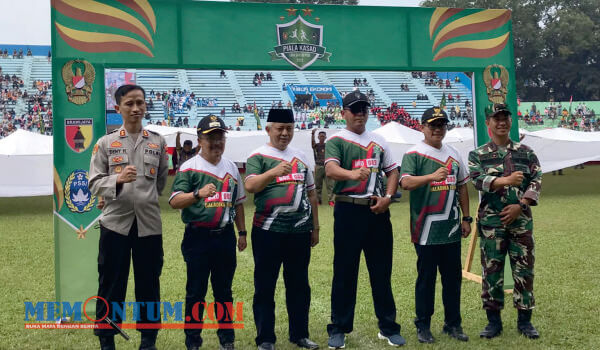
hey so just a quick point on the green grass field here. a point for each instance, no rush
(566, 285)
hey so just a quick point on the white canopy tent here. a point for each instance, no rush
(23, 151)
(25, 165)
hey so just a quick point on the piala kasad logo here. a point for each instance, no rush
(300, 42)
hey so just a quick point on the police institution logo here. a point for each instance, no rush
(78, 197)
(78, 76)
(79, 133)
(300, 42)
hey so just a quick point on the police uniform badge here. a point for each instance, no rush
(78, 84)
(78, 196)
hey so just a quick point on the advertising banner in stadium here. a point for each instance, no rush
(321, 93)
(222, 35)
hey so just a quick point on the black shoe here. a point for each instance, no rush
(227, 346)
(494, 327)
(456, 333)
(306, 343)
(524, 325)
(266, 346)
(425, 336)
(107, 342)
(192, 347)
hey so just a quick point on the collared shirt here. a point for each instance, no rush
(283, 205)
(353, 151)
(319, 151)
(434, 212)
(489, 162)
(216, 211)
(137, 199)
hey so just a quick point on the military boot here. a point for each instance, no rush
(494, 326)
(524, 324)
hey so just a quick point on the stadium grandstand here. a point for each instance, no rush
(179, 97)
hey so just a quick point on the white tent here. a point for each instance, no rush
(26, 157)
(561, 148)
(25, 165)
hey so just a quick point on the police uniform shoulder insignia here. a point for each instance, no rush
(113, 131)
(145, 133)
(116, 144)
(122, 133)
(95, 150)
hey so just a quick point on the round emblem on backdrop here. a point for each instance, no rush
(78, 196)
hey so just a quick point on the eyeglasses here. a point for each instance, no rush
(358, 108)
(437, 126)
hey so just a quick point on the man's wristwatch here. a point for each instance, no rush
(196, 194)
(242, 233)
(524, 207)
(467, 219)
(389, 196)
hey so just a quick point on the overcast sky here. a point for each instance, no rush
(27, 22)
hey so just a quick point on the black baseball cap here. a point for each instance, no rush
(210, 123)
(433, 114)
(355, 97)
(499, 108)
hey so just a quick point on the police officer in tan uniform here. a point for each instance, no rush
(129, 170)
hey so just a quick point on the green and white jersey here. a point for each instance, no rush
(218, 210)
(283, 205)
(434, 212)
(353, 151)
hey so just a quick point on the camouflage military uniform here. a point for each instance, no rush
(487, 163)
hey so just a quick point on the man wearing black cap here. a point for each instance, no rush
(285, 227)
(509, 178)
(357, 159)
(436, 176)
(209, 190)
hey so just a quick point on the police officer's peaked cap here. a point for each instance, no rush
(280, 115)
(355, 97)
(211, 123)
(434, 113)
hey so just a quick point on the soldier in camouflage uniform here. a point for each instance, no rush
(509, 176)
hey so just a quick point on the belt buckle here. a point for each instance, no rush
(372, 202)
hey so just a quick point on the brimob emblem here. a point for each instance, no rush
(78, 85)
(78, 196)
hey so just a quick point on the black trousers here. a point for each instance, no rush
(446, 257)
(208, 255)
(114, 254)
(271, 250)
(357, 229)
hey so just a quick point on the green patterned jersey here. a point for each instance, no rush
(283, 205)
(489, 162)
(353, 151)
(218, 210)
(434, 211)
